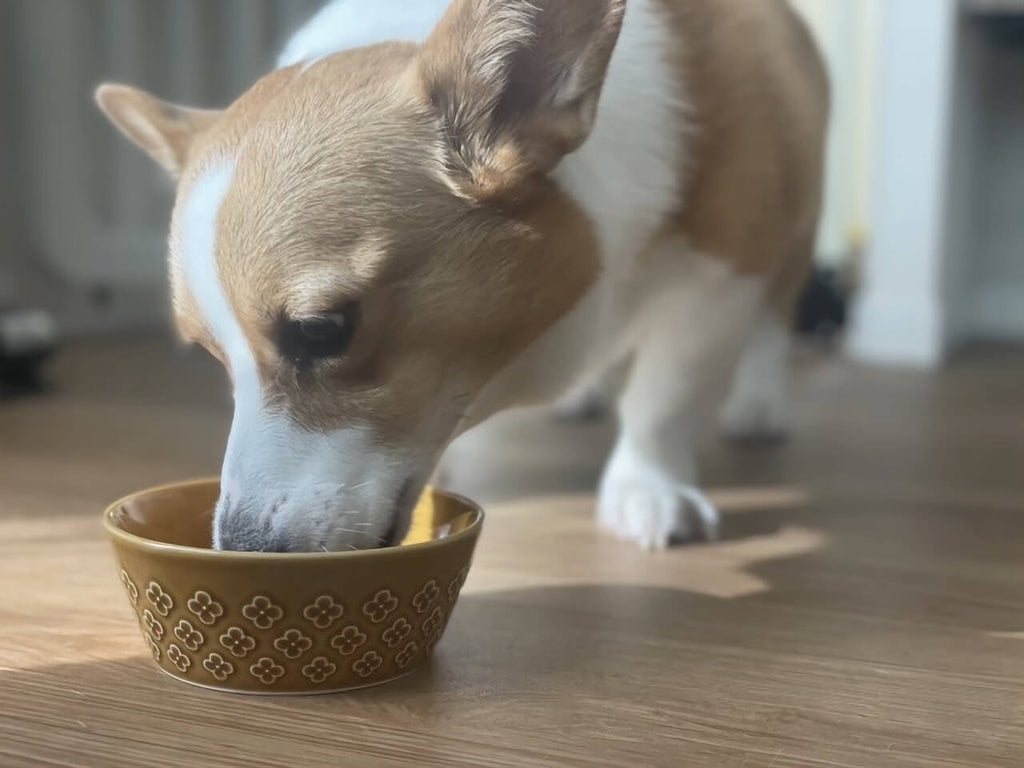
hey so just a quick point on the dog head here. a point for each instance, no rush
(365, 242)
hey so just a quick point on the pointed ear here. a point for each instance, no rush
(516, 85)
(165, 131)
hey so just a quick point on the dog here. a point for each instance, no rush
(433, 212)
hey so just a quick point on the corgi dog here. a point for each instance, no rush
(434, 211)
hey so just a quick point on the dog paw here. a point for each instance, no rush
(761, 419)
(642, 504)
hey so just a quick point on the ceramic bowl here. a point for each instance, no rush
(271, 623)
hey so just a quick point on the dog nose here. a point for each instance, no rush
(235, 541)
(237, 529)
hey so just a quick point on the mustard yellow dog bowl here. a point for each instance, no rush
(277, 623)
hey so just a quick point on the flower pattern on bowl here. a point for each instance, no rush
(293, 643)
(319, 669)
(368, 663)
(190, 637)
(456, 583)
(434, 629)
(237, 642)
(153, 647)
(153, 625)
(160, 600)
(433, 622)
(266, 670)
(262, 612)
(422, 599)
(406, 655)
(432, 641)
(129, 586)
(205, 608)
(348, 640)
(396, 633)
(218, 666)
(380, 606)
(178, 658)
(323, 612)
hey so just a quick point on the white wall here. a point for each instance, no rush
(946, 260)
(900, 318)
(847, 33)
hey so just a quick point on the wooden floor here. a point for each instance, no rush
(864, 608)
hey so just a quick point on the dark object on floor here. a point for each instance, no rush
(28, 337)
(823, 308)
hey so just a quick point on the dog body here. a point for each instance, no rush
(388, 242)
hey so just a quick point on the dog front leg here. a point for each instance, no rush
(649, 492)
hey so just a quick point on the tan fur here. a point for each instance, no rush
(757, 104)
(517, 89)
(166, 131)
(404, 178)
(444, 283)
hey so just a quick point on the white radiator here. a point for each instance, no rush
(97, 208)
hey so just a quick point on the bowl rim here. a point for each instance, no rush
(151, 546)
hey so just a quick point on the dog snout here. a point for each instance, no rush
(238, 527)
(298, 523)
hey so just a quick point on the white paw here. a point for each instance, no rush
(761, 418)
(640, 503)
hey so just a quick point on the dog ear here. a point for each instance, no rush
(165, 131)
(516, 85)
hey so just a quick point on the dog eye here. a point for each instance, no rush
(307, 339)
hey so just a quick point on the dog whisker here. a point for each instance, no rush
(380, 539)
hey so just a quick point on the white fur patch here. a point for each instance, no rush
(196, 236)
(758, 406)
(640, 502)
(626, 176)
(345, 24)
(281, 484)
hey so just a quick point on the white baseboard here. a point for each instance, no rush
(898, 333)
